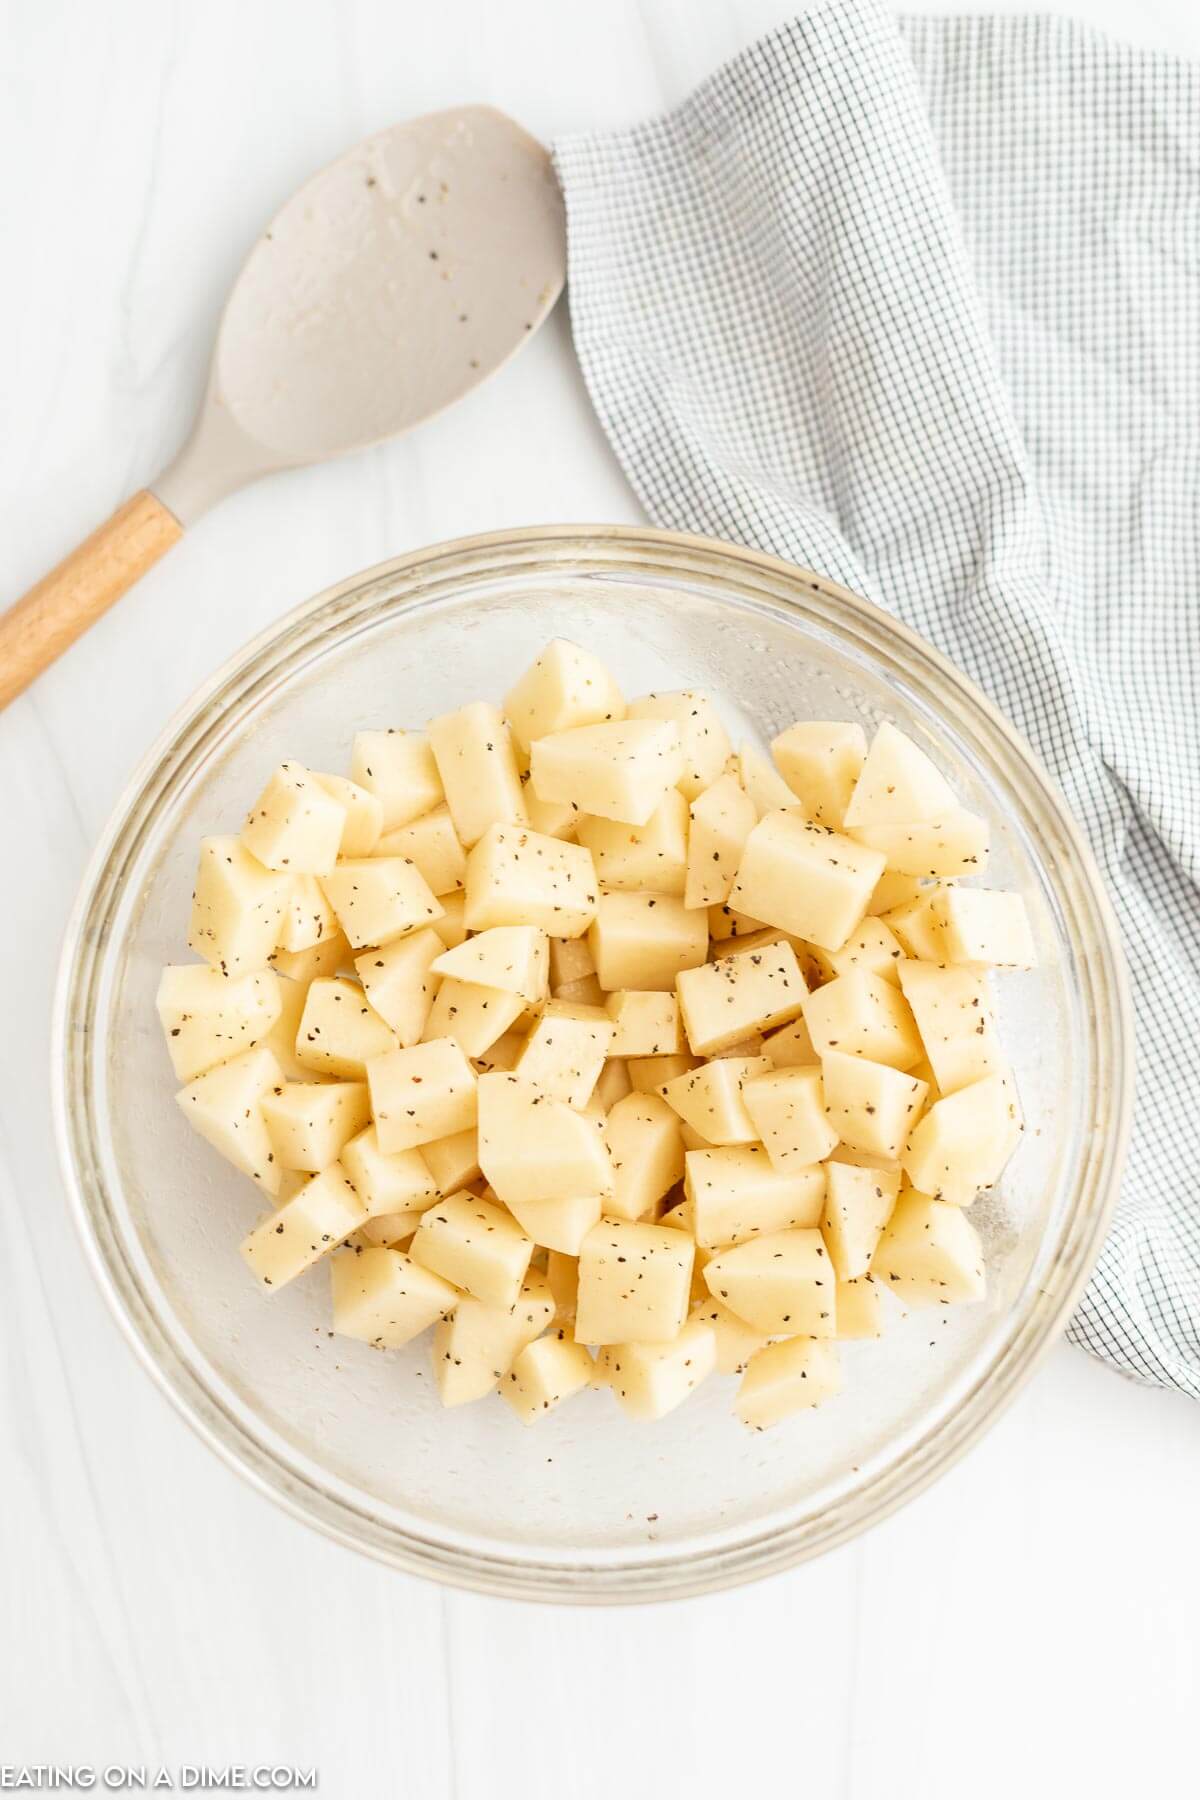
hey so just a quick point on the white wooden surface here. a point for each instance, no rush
(1030, 1625)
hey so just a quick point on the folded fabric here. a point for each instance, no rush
(917, 304)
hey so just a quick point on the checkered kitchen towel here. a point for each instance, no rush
(918, 304)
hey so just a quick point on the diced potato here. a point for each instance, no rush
(515, 958)
(281, 1039)
(790, 1047)
(722, 818)
(915, 927)
(565, 1052)
(734, 1341)
(388, 1184)
(735, 1194)
(453, 1162)
(237, 907)
(224, 1105)
(476, 759)
(563, 688)
(783, 1378)
(709, 1099)
(858, 1204)
(899, 785)
(869, 1105)
(650, 1074)
(953, 1010)
(339, 1030)
(378, 898)
(559, 1225)
(892, 890)
(295, 1236)
(546, 1372)
(873, 949)
(476, 1347)
(979, 925)
(963, 1142)
(385, 1298)
(518, 877)
(787, 1109)
(475, 1244)
(821, 761)
(308, 918)
(642, 1134)
(651, 1380)
(644, 1024)
(325, 958)
(781, 1283)
(706, 745)
(362, 823)
(752, 990)
(724, 925)
(296, 824)
(930, 1253)
(398, 768)
(634, 1283)
(385, 1231)
(570, 961)
(310, 1122)
(810, 882)
(473, 1016)
(562, 1273)
(617, 771)
(399, 983)
(631, 858)
(451, 927)
(421, 1094)
(208, 1018)
(644, 940)
(430, 842)
(768, 790)
(859, 1309)
(534, 1148)
(863, 1016)
(954, 845)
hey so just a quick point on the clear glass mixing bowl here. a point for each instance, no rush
(588, 1505)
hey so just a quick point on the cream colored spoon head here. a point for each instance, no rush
(395, 281)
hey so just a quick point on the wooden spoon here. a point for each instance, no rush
(390, 285)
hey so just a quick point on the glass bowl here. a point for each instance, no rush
(587, 1505)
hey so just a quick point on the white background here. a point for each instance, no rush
(1030, 1625)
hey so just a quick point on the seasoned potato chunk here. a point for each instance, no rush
(709, 1099)
(821, 761)
(963, 1142)
(954, 1015)
(705, 742)
(388, 1184)
(651, 1380)
(859, 1310)
(208, 1018)
(420, 1094)
(734, 1341)
(385, 1298)
(752, 990)
(869, 1105)
(225, 1106)
(474, 1349)
(397, 767)
(559, 1225)
(617, 771)
(475, 1017)
(430, 842)
(295, 824)
(237, 907)
(899, 785)
(644, 1023)
(378, 898)
(930, 1253)
(781, 1283)
(515, 958)
(310, 1122)
(863, 1016)
(787, 1109)
(340, 1031)
(634, 1283)
(980, 926)
(546, 1372)
(565, 1052)
(519, 877)
(453, 1162)
(644, 940)
(477, 763)
(954, 845)
(534, 1148)
(399, 982)
(476, 1245)
(721, 819)
(299, 1233)
(871, 949)
(765, 786)
(807, 880)
(736, 1194)
(362, 814)
(858, 1204)
(646, 1151)
(563, 688)
(630, 858)
(783, 1378)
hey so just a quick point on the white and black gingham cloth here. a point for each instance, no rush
(917, 304)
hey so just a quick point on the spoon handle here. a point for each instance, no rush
(72, 597)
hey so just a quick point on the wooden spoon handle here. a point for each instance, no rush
(64, 603)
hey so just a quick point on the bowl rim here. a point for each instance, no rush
(682, 1573)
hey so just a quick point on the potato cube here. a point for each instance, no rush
(399, 982)
(476, 759)
(559, 1225)
(706, 745)
(871, 1106)
(237, 907)
(725, 925)
(721, 819)
(709, 1099)
(296, 825)
(787, 1109)
(430, 842)
(765, 786)
(565, 1052)
(644, 1024)
(633, 858)
(311, 1121)
(298, 1234)
(546, 1372)
(385, 1298)
(281, 1039)
(378, 898)
(562, 1272)
(420, 1094)
(208, 1018)
(784, 1378)
(963, 1142)
(225, 1106)
(475, 1244)
(476, 1347)
(452, 926)
(388, 1184)
(616, 771)
(734, 1341)
(810, 882)
(859, 1310)
(981, 926)
(858, 1204)
(453, 1162)
(518, 877)
(534, 1148)
(634, 1283)
(872, 949)
(644, 940)
(821, 761)
(515, 958)
(863, 1016)
(930, 1253)
(953, 1011)
(308, 918)
(302, 966)
(915, 927)
(735, 1194)
(473, 1016)
(899, 785)
(781, 1283)
(399, 769)
(650, 1074)
(651, 1380)
(892, 891)
(340, 1031)
(790, 1047)
(752, 990)
(362, 823)
(956, 844)
(564, 687)
(642, 1134)
(385, 1231)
